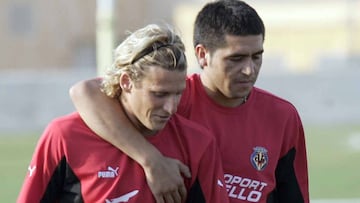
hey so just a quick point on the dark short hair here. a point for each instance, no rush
(225, 17)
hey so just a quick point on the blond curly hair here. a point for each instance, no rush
(153, 45)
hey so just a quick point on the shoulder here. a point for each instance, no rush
(66, 125)
(269, 100)
(66, 121)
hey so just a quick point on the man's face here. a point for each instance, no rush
(230, 72)
(154, 99)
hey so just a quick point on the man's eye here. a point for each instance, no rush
(238, 58)
(159, 94)
(257, 56)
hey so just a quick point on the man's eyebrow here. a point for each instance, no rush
(259, 52)
(237, 54)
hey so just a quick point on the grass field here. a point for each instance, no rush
(15, 154)
(334, 161)
(333, 153)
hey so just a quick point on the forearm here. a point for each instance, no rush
(106, 118)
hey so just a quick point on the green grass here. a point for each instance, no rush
(15, 155)
(333, 164)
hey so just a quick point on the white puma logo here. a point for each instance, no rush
(31, 170)
(113, 170)
(123, 198)
(109, 173)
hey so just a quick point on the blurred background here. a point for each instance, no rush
(312, 58)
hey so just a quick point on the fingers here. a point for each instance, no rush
(159, 199)
(184, 170)
(173, 197)
(166, 180)
(182, 193)
(168, 198)
(177, 195)
(181, 186)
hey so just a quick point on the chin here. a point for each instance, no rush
(157, 127)
(241, 93)
(238, 94)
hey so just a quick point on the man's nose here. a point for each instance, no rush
(171, 104)
(248, 68)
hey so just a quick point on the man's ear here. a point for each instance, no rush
(125, 82)
(201, 55)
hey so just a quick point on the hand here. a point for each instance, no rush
(164, 178)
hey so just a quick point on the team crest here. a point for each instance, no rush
(259, 158)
